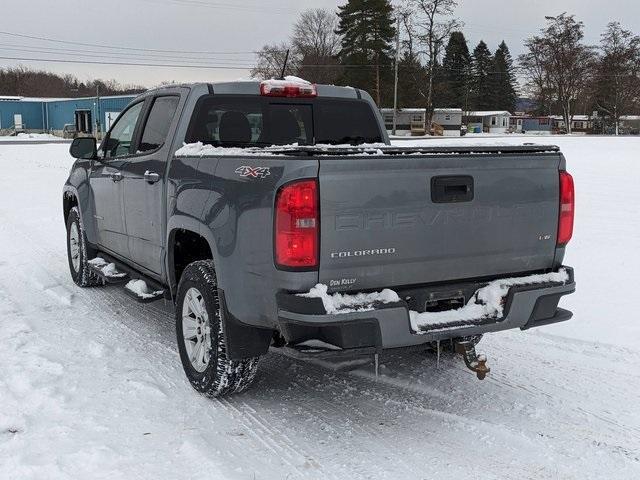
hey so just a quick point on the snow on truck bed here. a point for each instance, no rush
(91, 385)
(401, 148)
(199, 149)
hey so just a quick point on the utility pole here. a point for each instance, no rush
(97, 111)
(395, 83)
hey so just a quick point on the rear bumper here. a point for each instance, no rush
(526, 306)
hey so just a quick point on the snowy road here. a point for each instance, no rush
(91, 385)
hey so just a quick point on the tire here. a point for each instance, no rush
(78, 252)
(203, 351)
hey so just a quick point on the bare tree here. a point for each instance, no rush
(617, 85)
(270, 60)
(313, 47)
(431, 26)
(533, 68)
(316, 44)
(412, 72)
(566, 62)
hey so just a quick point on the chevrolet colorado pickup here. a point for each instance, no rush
(277, 214)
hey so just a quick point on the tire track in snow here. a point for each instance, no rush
(117, 300)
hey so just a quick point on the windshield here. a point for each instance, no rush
(250, 121)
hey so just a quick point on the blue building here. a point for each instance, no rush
(85, 115)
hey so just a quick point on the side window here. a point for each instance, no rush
(157, 126)
(118, 143)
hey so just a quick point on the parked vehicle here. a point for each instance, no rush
(69, 131)
(278, 214)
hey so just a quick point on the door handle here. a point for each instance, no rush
(151, 177)
(116, 176)
(452, 189)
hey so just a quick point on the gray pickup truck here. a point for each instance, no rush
(277, 214)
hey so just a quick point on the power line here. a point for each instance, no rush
(89, 62)
(119, 56)
(43, 49)
(148, 64)
(221, 5)
(97, 45)
(206, 66)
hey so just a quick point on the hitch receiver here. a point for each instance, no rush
(474, 362)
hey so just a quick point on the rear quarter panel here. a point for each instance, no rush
(234, 213)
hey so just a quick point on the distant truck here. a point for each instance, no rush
(277, 214)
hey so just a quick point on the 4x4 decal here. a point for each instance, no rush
(253, 172)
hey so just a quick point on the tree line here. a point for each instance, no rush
(356, 47)
(561, 74)
(25, 82)
(566, 76)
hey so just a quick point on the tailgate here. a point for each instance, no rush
(389, 220)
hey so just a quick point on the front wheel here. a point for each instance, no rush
(201, 340)
(78, 252)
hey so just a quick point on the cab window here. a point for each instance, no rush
(119, 143)
(158, 123)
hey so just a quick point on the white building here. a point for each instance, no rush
(487, 121)
(410, 121)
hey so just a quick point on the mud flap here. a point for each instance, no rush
(242, 341)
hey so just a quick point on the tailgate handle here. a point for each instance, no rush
(452, 189)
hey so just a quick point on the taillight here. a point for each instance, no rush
(297, 225)
(286, 88)
(567, 207)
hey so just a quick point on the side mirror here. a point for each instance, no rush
(84, 148)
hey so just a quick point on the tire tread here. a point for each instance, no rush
(231, 376)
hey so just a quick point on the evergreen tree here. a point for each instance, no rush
(441, 94)
(367, 30)
(481, 81)
(411, 85)
(456, 69)
(503, 80)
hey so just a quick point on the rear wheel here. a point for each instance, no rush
(78, 252)
(201, 340)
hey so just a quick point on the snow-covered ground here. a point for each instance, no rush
(91, 385)
(32, 137)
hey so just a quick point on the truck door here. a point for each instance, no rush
(106, 182)
(144, 184)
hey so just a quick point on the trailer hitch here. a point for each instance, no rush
(474, 362)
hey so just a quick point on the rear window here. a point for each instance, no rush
(245, 121)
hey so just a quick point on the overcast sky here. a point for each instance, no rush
(188, 26)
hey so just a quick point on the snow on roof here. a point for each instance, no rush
(9, 98)
(575, 117)
(630, 117)
(486, 113)
(531, 117)
(421, 110)
(447, 110)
